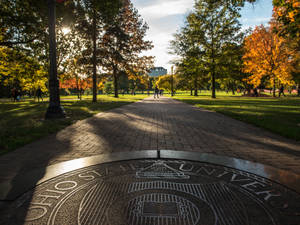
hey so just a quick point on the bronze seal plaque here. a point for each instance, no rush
(158, 192)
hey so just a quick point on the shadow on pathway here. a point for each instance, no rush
(151, 124)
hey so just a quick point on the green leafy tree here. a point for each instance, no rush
(21, 71)
(108, 87)
(164, 82)
(231, 67)
(123, 41)
(185, 47)
(93, 17)
(212, 25)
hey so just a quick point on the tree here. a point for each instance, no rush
(267, 57)
(191, 67)
(164, 82)
(108, 87)
(209, 27)
(76, 78)
(21, 71)
(93, 18)
(29, 25)
(287, 14)
(78, 83)
(231, 67)
(193, 73)
(24, 25)
(22, 21)
(122, 43)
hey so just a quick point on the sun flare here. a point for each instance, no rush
(66, 30)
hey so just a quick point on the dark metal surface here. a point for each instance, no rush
(156, 191)
(10, 190)
(284, 177)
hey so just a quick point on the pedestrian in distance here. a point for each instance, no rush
(255, 92)
(39, 94)
(14, 94)
(281, 91)
(156, 92)
(18, 95)
(160, 92)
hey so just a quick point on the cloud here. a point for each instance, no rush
(165, 17)
(255, 21)
(160, 9)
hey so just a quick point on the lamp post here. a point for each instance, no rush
(149, 85)
(172, 82)
(55, 110)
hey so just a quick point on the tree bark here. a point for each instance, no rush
(116, 84)
(94, 59)
(274, 93)
(195, 87)
(172, 85)
(213, 84)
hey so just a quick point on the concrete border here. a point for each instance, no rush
(29, 180)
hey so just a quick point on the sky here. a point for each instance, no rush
(165, 17)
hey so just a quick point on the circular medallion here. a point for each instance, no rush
(157, 192)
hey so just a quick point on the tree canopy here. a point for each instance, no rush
(97, 34)
(209, 28)
(267, 56)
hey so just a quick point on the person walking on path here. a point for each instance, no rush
(39, 94)
(161, 92)
(156, 92)
(281, 91)
(255, 92)
(18, 95)
(14, 94)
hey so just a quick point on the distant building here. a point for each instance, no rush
(157, 71)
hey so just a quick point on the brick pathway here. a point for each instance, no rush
(155, 124)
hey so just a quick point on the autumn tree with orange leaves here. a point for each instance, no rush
(287, 13)
(78, 83)
(75, 77)
(267, 57)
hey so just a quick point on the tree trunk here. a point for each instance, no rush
(116, 84)
(233, 92)
(213, 85)
(94, 59)
(274, 94)
(213, 81)
(78, 89)
(191, 91)
(172, 85)
(195, 88)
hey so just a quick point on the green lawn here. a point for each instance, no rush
(279, 115)
(23, 122)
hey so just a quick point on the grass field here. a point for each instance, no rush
(279, 115)
(23, 122)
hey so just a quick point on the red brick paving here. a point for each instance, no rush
(155, 124)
